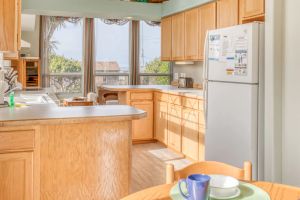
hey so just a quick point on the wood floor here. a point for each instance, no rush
(149, 164)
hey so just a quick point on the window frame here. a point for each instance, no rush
(80, 74)
(133, 76)
(139, 74)
(107, 74)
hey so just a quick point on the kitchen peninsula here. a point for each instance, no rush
(65, 153)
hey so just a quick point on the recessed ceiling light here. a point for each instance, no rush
(128, 17)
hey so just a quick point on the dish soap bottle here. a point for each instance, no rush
(11, 99)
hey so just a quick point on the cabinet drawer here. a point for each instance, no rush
(141, 96)
(16, 140)
(190, 103)
(175, 99)
(161, 96)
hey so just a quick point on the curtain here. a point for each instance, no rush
(44, 35)
(89, 56)
(135, 48)
(115, 21)
(153, 23)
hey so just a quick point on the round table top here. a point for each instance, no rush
(276, 192)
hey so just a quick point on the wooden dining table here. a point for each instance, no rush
(275, 191)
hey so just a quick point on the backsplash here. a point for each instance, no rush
(194, 71)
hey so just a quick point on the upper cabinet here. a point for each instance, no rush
(191, 30)
(207, 21)
(252, 10)
(166, 39)
(183, 34)
(178, 37)
(10, 25)
(227, 13)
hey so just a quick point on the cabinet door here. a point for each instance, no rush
(201, 143)
(166, 39)
(174, 127)
(207, 21)
(142, 129)
(253, 8)
(227, 13)
(190, 133)
(191, 39)
(10, 13)
(178, 37)
(161, 121)
(16, 176)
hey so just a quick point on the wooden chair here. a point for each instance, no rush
(209, 167)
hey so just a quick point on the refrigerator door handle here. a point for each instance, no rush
(205, 60)
(205, 78)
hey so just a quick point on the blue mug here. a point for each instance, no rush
(197, 187)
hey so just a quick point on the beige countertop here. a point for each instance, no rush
(189, 92)
(42, 113)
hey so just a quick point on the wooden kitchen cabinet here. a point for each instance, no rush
(178, 37)
(174, 127)
(227, 13)
(190, 133)
(252, 10)
(166, 39)
(143, 129)
(191, 30)
(10, 26)
(161, 121)
(201, 154)
(207, 21)
(16, 176)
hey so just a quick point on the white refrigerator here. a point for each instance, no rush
(234, 96)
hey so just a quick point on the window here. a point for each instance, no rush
(62, 54)
(112, 53)
(151, 70)
(65, 56)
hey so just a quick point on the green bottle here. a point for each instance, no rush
(11, 99)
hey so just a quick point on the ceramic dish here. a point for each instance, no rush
(222, 187)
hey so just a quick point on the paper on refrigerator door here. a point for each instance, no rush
(234, 53)
(214, 47)
(241, 54)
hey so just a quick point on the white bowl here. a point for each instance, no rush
(223, 186)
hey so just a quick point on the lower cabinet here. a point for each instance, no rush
(143, 129)
(16, 176)
(190, 133)
(201, 143)
(174, 127)
(161, 121)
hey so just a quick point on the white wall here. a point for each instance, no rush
(33, 37)
(273, 90)
(174, 6)
(93, 8)
(282, 121)
(291, 93)
(194, 71)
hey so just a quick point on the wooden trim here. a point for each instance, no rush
(136, 141)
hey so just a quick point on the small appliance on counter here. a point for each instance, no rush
(185, 82)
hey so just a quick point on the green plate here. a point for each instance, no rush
(248, 192)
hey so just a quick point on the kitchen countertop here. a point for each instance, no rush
(51, 111)
(42, 113)
(189, 92)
